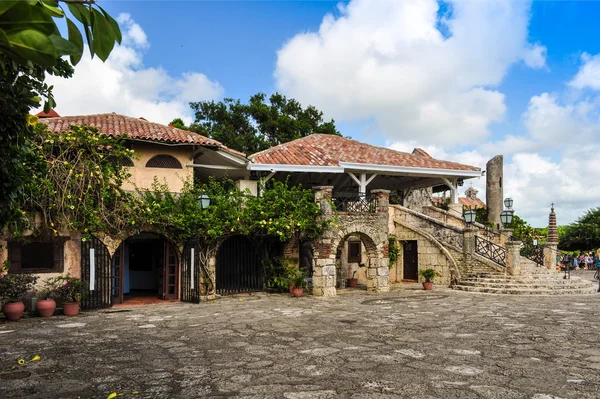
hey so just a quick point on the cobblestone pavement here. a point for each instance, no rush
(407, 343)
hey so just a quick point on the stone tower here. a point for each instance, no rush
(494, 193)
(552, 228)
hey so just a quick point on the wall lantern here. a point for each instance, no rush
(508, 203)
(506, 217)
(204, 201)
(460, 182)
(469, 216)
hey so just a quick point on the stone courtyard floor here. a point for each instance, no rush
(404, 344)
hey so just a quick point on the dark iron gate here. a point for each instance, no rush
(190, 272)
(96, 274)
(239, 267)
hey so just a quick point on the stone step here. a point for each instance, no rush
(554, 285)
(554, 276)
(527, 291)
(521, 280)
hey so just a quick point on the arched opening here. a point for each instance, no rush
(355, 253)
(164, 161)
(145, 268)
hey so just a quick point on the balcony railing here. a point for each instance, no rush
(355, 203)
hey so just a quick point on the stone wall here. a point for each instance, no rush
(494, 192)
(371, 227)
(419, 198)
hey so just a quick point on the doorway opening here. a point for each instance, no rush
(410, 262)
(145, 269)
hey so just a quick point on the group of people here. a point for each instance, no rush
(588, 261)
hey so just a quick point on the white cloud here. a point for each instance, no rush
(124, 85)
(589, 74)
(388, 61)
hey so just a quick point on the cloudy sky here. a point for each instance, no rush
(463, 80)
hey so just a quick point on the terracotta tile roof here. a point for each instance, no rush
(135, 128)
(51, 114)
(468, 202)
(329, 150)
(421, 152)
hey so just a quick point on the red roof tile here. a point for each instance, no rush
(135, 128)
(51, 114)
(468, 202)
(330, 150)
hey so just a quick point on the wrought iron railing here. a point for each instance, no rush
(532, 252)
(491, 251)
(359, 203)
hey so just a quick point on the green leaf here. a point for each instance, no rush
(6, 4)
(3, 38)
(114, 25)
(76, 39)
(53, 9)
(103, 41)
(63, 46)
(33, 45)
(22, 16)
(81, 13)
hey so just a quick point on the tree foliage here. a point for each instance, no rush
(259, 124)
(29, 34)
(584, 234)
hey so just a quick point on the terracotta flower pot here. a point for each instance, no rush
(13, 310)
(71, 308)
(428, 285)
(291, 287)
(45, 307)
(353, 282)
(297, 292)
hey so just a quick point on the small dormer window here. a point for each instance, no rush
(164, 161)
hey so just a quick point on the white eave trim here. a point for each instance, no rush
(405, 170)
(294, 168)
(240, 160)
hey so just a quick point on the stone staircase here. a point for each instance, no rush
(534, 280)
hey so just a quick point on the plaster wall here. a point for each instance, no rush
(143, 177)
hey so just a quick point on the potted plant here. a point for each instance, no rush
(13, 288)
(428, 275)
(45, 304)
(298, 284)
(70, 290)
(353, 282)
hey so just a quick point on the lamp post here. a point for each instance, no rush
(204, 201)
(506, 217)
(470, 217)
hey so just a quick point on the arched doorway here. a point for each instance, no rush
(145, 267)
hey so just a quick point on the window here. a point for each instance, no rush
(164, 161)
(354, 251)
(36, 257)
(122, 161)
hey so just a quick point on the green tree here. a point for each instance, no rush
(259, 124)
(31, 47)
(584, 234)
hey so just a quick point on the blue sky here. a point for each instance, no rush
(465, 81)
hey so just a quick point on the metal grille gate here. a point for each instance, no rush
(95, 274)
(190, 272)
(239, 267)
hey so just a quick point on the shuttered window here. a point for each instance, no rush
(36, 257)
(354, 251)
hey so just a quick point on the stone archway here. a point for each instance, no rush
(373, 231)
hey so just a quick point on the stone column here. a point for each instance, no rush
(513, 257)
(552, 228)
(378, 275)
(494, 193)
(323, 279)
(382, 200)
(550, 252)
(323, 195)
(469, 240)
(505, 235)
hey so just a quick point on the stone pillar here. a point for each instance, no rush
(382, 200)
(494, 193)
(378, 275)
(456, 210)
(550, 252)
(250, 185)
(505, 235)
(323, 195)
(469, 240)
(323, 279)
(513, 257)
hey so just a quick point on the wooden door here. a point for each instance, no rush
(117, 275)
(190, 272)
(411, 261)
